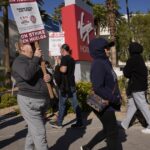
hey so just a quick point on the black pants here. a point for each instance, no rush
(110, 131)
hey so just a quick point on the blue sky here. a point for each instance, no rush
(134, 5)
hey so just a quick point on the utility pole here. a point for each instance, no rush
(128, 13)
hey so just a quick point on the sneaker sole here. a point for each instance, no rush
(145, 132)
(57, 127)
(81, 148)
(123, 126)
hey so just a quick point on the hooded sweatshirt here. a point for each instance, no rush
(135, 69)
(103, 77)
(29, 77)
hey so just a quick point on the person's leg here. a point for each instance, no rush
(31, 111)
(77, 110)
(62, 107)
(100, 136)
(29, 144)
(111, 130)
(140, 100)
(130, 113)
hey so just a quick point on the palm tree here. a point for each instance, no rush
(100, 21)
(4, 7)
(111, 17)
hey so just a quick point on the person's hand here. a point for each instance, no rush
(105, 102)
(57, 60)
(38, 53)
(46, 77)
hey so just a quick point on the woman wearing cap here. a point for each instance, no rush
(136, 71)
(104, 82)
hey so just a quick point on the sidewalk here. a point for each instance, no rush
(13, 131)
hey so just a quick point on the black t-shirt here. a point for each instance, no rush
(69, 62)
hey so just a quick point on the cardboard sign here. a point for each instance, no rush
(28, 20)
(80, 30)
(56, 39)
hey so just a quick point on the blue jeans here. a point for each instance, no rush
(62, 107)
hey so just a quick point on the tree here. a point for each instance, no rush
(123, 37)
(100, 21)
(6, 61)
(139, 31)
(57, 13)
(112, 6)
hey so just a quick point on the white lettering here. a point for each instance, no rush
(85, 29)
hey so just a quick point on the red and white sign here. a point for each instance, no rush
(28, 20)
(56, 39)
(80, 29)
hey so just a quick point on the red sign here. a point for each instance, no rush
(78, 26)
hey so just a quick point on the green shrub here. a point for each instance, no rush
(2, 89)
(8, 100)
(122, 81)
(2, 78)
(83, 89)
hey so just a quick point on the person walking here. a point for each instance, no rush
(32, 95)
(136, 71)
(67, 88)
(104, 83)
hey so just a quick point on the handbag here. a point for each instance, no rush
(95, 101)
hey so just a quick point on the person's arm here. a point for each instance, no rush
(98, 80)
(63, 65)
(63, 69)
(127, 70)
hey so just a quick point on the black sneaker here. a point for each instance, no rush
(77, 125)
(55, 125)
(84, 148)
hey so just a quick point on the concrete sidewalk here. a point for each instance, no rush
(13, 131)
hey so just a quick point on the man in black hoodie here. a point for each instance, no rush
(136, 71)
(33, 94)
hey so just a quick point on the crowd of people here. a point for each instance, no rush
(33, 95)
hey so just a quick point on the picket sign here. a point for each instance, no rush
(30, 26)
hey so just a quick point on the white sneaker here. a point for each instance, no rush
(125, 128)
(146, 131)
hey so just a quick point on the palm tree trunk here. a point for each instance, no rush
(97, 30)
(112, 27)
(6, 40)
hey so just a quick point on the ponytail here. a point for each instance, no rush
(67, 48)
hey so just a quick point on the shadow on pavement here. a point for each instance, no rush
(19, 135)
(71, 135)
(10, 120)
(139, 116)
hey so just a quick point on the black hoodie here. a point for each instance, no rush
(135, 69)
